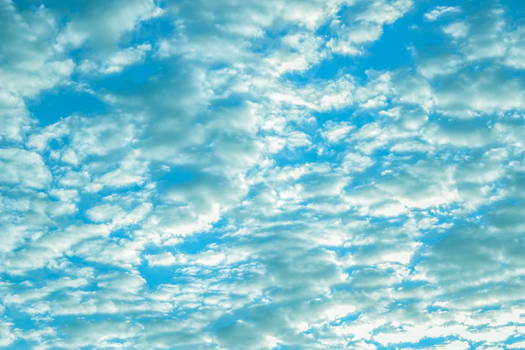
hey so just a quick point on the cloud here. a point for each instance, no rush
(7, 337)
(440, 11)
(362, 23)
(29, 65)
(118, 61)
(101, 25)
(262, 175)
(164, 259)
(24, 168)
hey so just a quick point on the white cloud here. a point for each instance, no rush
(7, 336)
(440, 11)
(259, 189)
(29, 65)
(516, 345)
(355, 162)
(336, 131)
(515, 55)
(126, 57)
(21, 167)
(456, 30)
(163, 259)
(104, 212)
(103, 24)
(364, 24)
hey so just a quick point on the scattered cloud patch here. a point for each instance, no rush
(440, 11)
(259, 178)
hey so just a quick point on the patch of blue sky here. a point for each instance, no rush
(514, 11)
(200, 241)
(391, 51)
(125, 233)
(158, 275)
(132, 78)
(56, 143)
(351, 114)
(351, 317)
(151, 31)
(514, 339)
(52, 105)
(431, 237)
(91, 199)
(173, 176)
(194, 244)
(331, 68)
(285, 347)
(231, 100)
(271, 40)
(426, 342)
(288, 157)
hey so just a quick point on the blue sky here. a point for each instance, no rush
(238, 174)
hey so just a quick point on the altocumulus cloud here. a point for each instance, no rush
(314, 174)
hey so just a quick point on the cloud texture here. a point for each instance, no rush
(314, 174)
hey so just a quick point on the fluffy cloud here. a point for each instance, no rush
(23, 168)
(362, 22)
(262, 175)
(440, 11)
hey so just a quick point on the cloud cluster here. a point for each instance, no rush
(261, 176)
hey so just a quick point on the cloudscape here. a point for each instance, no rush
(262, 174)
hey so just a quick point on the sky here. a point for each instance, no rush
(247, 174)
